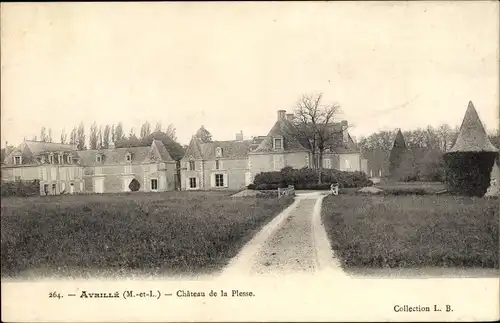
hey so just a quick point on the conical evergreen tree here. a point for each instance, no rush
(468, 164)
(398, 150)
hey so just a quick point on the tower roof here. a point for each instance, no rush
(472, 136)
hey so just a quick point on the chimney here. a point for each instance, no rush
(281, 114)
(239, 136)
(289, 117)
(345, 134)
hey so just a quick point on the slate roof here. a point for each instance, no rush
(230, 149)
(37, 147)
(280, 128)
(345, 148)
(193, 149)
(30, 149)
(118, 155)
(472, 136)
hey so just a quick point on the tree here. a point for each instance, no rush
(382, 140)
(397, 152)
(49, 137)
(63, 136)
(119, 135)
(105, 137)
(80, 137)
(314, 127)
(73, 136)
(171, 132)
(5, 151)
(145, 129)
(93, 138)
(43, 135)
(113, 134)
(202, 134)
(99, 138)
(158, 127)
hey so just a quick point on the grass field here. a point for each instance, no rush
(413, 231)
(155, 234)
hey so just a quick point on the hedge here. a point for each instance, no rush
(468, 173)
(20, 188)
(306, 178)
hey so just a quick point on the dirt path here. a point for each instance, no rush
(294, 242)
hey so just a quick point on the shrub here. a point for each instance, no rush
(134, 185)
(468, 173)
(407, 191)
(20, 188)
(306, 178)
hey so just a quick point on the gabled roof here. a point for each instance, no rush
(160, 149)
(345, 148)
(230, 149)
(30, 149)
(38, 147)
(472, 136)
(193, 149)
(281, 128)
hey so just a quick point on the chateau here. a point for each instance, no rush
(63, 169)
(233, 164)
(206, 164)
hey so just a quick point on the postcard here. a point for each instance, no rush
(250, 161)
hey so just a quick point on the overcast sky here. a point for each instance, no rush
(231, 66)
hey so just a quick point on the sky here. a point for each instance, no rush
(230, 66)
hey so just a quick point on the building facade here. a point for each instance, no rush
(233, 164)
(62, 169)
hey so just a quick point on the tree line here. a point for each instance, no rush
(439, 138)
(102, 136)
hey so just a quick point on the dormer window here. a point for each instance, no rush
(98, 158)
(60, 159)
(51, 159)
(17, 160)
(278, 143)
(68, 159)
(218, 152)
(42, 159)
(128, 157)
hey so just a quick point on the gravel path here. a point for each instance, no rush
(291, 247)
(294, 242)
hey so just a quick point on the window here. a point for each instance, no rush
(327, 163)
(44, 174)
(217, 166)
(278, 143)
(17, 160)
(51, 159)
(279, 162)
(192, 182)
(17, 178)
(68, 159)
(60, 159)
(219, 180)
(128, 157)
(347, 164)
(98, 158)
(154, 184)
(53, 174)
(191, 165)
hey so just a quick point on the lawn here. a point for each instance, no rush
(413, 231)
(156, 233)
